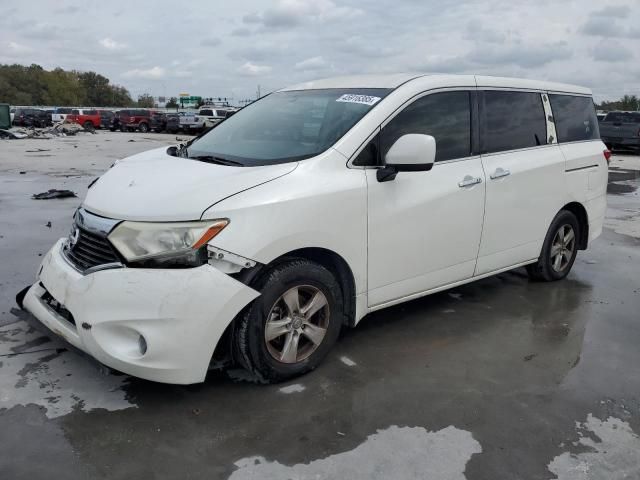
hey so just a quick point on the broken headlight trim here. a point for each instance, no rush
(164, 243)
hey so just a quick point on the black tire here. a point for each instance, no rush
(143, 127)
(88, 125)
(546, 269)
(123, 128)
(253, 351)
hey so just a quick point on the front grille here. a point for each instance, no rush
(90, 250)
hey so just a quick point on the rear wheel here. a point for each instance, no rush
(143, 127)
(291, 327)
(559, 249)
(88, 125)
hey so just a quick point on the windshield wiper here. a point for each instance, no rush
(217, 160)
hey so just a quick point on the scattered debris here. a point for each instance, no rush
(48, 225)
(53, 193)
(348, 362)
(37, 150)
(295, 388)
(60, 129)
(131, 140)
(22, 172)
(530, 357)
(12, 135)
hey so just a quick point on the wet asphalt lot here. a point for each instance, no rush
(498, 379)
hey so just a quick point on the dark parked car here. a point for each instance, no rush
(105, 118)
(130, 120)
(31, 117)
(173, 122)
(158, 122)
(621, 130)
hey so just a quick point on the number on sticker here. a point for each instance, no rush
(354, 98)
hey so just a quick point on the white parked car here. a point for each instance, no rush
(191, 122)
(60, 114)
(314, 206)
(214, 115)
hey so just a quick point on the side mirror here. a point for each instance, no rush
(413, 152)
(172, 150)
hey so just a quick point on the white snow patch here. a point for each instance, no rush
(395, 453)
(60, 381)
(295, 388)
(348, 362)
(615, 455)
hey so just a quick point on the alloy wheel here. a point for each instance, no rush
(562, 247)
(297, 324)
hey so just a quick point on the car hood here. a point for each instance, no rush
(154, 186)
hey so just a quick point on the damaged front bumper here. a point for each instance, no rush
(157, 324)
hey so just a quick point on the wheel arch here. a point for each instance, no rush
(333, 262)
(329, 259)
(583, 220)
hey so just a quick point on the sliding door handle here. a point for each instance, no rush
(468, 180)
(499, 173)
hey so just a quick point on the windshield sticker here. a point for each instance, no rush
(363, 99)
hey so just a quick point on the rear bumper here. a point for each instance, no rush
(181, 314)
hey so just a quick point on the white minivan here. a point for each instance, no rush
(260, 240)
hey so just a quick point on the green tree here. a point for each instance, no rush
(33, 85)
(146, 101)
(172, 103)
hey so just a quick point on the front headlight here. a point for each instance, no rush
(142, 241)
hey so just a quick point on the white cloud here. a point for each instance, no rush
(151, 73)
(253, 70)
(289, 13)
(210, 42)
(313, 63)
(19, 48)
(111, 44)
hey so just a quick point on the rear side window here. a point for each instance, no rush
(511, 120)
(206, 112)
(75, 112)
(575, 118)
(90, 112)
(445, 116)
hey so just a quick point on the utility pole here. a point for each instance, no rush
(258, 93)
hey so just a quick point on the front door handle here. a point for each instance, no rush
(468, 180)
(499, 173)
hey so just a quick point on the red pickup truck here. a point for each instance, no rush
(87, 118)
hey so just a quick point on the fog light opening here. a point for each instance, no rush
(142, 345)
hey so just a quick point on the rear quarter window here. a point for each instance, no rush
(511, 120)
(575, 118)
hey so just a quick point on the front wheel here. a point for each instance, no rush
(291, 327)
(143, 127)
(559, 249)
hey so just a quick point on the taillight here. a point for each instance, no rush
(607, 155)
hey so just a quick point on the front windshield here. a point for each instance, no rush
(286, 126)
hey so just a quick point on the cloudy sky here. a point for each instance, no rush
(228, 48)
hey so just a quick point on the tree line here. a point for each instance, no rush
(627, 102)
(33, 85)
